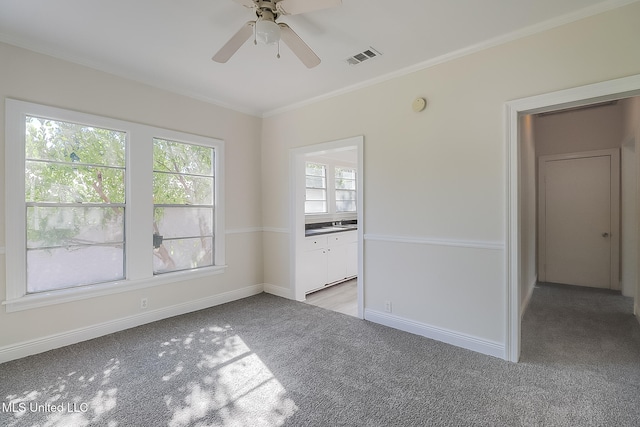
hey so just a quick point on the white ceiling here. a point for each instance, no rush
(169, 43)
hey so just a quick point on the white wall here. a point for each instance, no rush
(434, 214)
(574, 131)
(41, 79)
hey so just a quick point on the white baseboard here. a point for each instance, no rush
(39, 345)
(468, 342)
(279, 291)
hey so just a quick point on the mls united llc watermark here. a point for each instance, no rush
(68, 407)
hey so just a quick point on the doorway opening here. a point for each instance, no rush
(329, 222)
(520, 174)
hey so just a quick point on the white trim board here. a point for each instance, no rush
(469, 342)
(39, 345)
(436, 241)
(244, 230)
(584, 95)
(276, 230)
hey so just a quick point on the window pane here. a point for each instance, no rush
(345, 173)
(73, 143)
(316, 182)
(183, 254)
(184, 222)
(316, 194)
(346, 206)
(52, 182)
(176, 189)
(345, 195)
(49, 269)
(344, 184)
(65, 226)
(315, 169)
(315, 207)
(170, 156)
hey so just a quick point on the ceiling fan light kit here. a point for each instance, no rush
(267, 31)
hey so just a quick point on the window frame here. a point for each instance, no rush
(138, 207)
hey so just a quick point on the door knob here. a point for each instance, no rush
(605, 234)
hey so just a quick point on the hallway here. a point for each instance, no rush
(579, 330)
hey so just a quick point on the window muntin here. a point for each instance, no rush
(75, 204)
(183, 195)
(316, 189)
(345, 189)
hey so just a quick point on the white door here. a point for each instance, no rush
(577, 220)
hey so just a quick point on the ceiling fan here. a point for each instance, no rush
(266, 30)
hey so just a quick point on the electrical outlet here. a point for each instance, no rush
(387, 306)
(144, 303)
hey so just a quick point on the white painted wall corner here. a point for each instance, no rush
(279, 291)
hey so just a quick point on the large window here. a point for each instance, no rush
(75, 204)
(96, 205)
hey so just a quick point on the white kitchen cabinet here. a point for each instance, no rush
(327, 259)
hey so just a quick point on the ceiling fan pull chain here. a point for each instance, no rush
(278, 56)
(255, 35)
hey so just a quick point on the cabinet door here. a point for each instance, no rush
(313, 269)
(337, 260)
(352, 259)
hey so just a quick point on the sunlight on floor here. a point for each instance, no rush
(235, 386)
(206, 377)
(68, 409)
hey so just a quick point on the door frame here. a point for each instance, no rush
(584, 95)
(614, 154)
(297, 158)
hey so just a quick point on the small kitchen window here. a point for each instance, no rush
(316, 189)
(345, 181)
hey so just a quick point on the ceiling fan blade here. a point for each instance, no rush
(297, 46)
(234, 43)
(246, 3)
(295, 7)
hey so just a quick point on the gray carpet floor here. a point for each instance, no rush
(267, 361)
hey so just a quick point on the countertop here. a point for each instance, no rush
(329, 229)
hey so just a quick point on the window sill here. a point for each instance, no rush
(44, 299)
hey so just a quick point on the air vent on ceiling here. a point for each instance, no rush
(358, 58)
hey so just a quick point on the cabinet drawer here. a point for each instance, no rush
(342, 238)
(313, 243)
